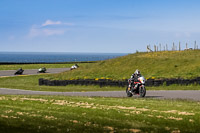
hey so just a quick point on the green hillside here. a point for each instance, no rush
(166, 64)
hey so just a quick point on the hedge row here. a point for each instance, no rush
(123, 83)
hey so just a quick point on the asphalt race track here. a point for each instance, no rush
(169, 94)
(32, 71)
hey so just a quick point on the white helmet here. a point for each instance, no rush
(137, 71)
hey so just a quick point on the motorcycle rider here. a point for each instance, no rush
(19, 71)
(74, 66)
(134, 77)
(44, 69)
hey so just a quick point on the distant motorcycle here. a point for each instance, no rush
(136, 88)
(19, 71)
(74, 67)
(42, 70)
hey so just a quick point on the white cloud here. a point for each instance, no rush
(49, 22)
(58, 28)
(34, 32)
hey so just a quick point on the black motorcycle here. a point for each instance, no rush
(19, 71)
(136, 88)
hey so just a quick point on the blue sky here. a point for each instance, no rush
(104, 26)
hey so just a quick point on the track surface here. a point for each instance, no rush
(176, 94)
(32, 71)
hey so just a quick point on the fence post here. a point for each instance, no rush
(160, 46)
(173, 47)
(186, 46)
(149, 48)
(195, 45)
(166, 47)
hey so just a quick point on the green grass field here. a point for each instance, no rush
(166, 64)
(22, 114)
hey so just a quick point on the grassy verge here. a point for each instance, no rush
(79, 114)
(31, 83)
(37, 66)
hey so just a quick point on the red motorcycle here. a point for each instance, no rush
(136, 88)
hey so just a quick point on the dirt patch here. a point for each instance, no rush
(177, 112)
(159, 116)
(20, 113)
(109, 128)
(176, 131)
(174, 118)
(34, 99)
(190, 120)
(50, 117)
(185, 113)
(74, 121)
(135, 130)
(8, 111)
(2, 98)
(4, 116)
(122, 107)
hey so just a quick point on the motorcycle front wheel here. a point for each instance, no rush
(129, 94)
(142, 91)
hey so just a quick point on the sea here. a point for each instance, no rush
(54, 57)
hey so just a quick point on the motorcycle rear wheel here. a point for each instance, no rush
(129, 94)
(142, 91)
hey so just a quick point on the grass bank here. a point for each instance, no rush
(79, 114)
(166, 64)
(31, 83)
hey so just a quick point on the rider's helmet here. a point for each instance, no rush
(137, 72)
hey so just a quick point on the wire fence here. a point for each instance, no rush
(174, 47)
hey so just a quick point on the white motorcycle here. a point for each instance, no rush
(42, 70)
